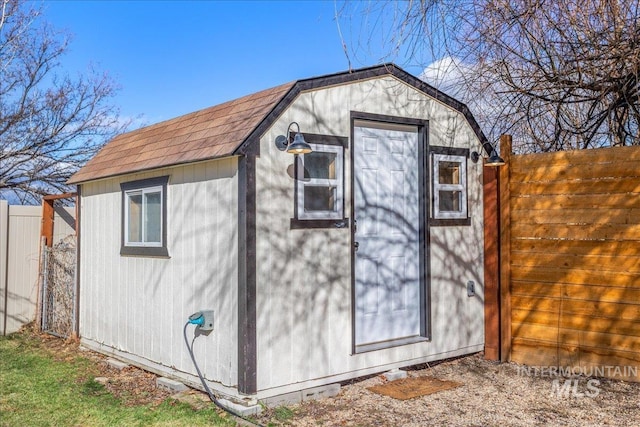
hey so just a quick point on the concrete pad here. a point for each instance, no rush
(394, 374)
(170, 385)
(194, 398)
(283, 399)
(243, 410)
(116, 364)
(321, 392)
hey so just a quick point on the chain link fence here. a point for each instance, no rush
(59, 286)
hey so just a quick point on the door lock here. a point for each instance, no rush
(356, 245)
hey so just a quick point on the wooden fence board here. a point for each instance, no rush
(578, 216)
(504, 197)
(576, 247)
(578, 157)
(536, 353)
(591, 232)
(578, 322)
(585, 186)
(629, 264)
(491, 264)
(579, 277)
(576, 201)
(576, 337)
(557, 172)
(577, 292)
(612, 310)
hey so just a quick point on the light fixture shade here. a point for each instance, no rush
(299, 145)
(494, 159)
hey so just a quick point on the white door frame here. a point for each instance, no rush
(423, 230)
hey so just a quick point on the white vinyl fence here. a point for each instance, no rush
(19, 260)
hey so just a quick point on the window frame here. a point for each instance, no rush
(320, 219)
(144, 186)
(454, 155)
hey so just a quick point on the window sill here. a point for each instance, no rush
(297, 224)
(144, 251)
(453, 222)
(364, 348)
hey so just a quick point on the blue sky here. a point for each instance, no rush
(171, 58)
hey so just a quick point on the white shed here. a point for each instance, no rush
(362, 256)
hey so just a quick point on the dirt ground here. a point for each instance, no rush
(490, 394)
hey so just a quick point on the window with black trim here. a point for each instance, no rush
(320, 186)
(144, 217)
(320, 183)
(449, 183)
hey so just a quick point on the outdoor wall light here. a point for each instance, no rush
(298, 146)
(493, 160)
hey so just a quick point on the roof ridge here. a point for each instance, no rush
(231, 127)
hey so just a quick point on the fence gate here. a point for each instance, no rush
(59, 288)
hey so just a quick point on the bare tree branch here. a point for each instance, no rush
(566, 71)
(50, 123)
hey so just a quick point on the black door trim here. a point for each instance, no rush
(423, 177)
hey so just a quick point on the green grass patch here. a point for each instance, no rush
(283, 413)
(37, 390)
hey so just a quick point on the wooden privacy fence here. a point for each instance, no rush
(570, 259)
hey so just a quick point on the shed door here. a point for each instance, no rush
(387, 190)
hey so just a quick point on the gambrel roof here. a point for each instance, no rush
(228, 129)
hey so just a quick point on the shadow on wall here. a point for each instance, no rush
(64, 215)
(200, 274)
(308, 279)
(308, 272)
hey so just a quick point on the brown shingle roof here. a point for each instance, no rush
(230, 128)
(210, 133)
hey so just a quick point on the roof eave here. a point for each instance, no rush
(72, 181)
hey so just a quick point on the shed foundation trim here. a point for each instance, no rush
(314, 393)
(262, 395)
(229, 392)
(324, 386)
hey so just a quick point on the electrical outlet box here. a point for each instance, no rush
(208, 320)
(471, 288)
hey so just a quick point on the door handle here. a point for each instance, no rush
(356, 245)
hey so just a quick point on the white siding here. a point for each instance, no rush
(304, 325)
(137, 306)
